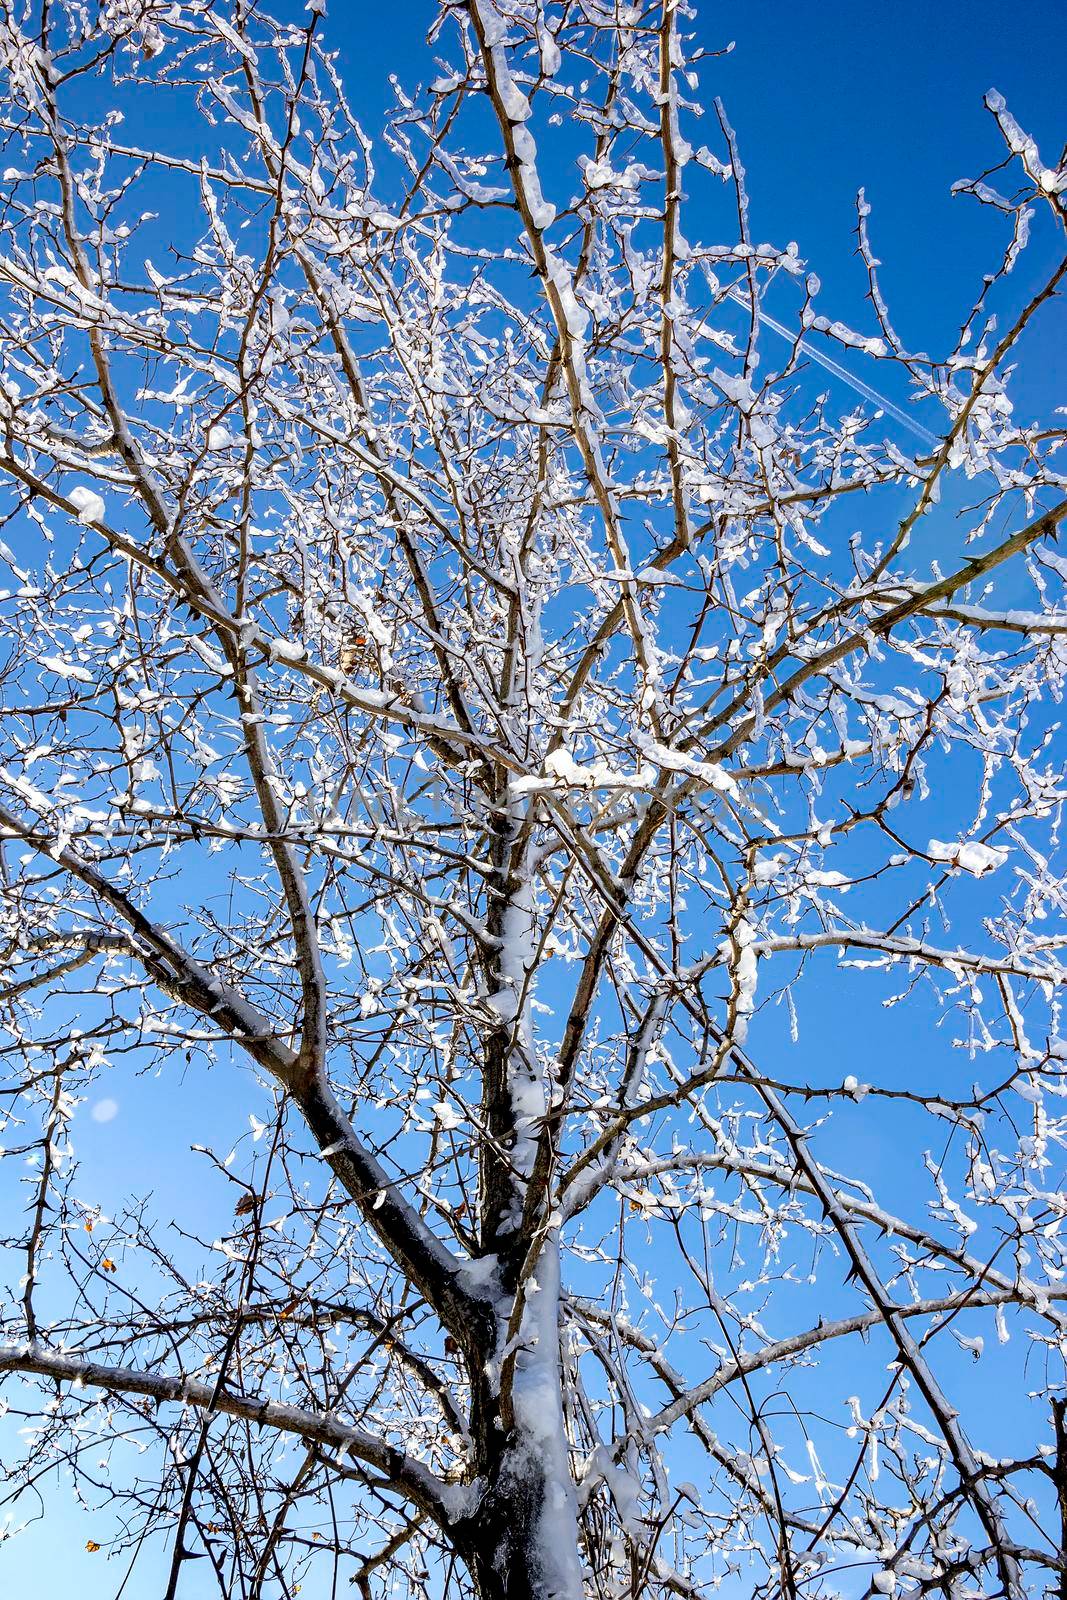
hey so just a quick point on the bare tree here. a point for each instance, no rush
(446, 689)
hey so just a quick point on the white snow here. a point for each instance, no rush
(89, 504)
(540, 1427)
(446, 1114)
(972, 856)
(65, 669)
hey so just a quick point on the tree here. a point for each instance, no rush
(451, 714)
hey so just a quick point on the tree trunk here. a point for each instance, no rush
(522, 1542)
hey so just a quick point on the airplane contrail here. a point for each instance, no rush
(838, 371)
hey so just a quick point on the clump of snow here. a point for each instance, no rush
(740, 954)
(562, 771)
(65, 669)
(505, 1002)
(971, 855)
(678, 761)
(446, 1115)
(89, 505)
(286, 650)
(561, 764)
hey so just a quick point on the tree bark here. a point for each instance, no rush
(521, 1542)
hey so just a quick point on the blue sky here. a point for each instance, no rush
(824, 98)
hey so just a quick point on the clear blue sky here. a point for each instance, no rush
(824, 98)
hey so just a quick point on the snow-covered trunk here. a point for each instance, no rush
(515, 1093)
(505, 1548)
(523, 1539)
(521, 1543)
